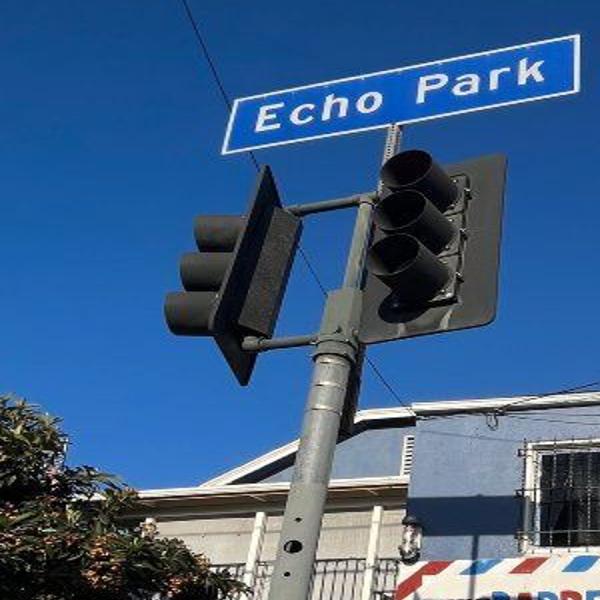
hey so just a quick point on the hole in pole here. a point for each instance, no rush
(292, 546)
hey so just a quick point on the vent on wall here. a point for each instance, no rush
(408, 448)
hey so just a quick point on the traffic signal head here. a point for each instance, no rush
(203, 274)
(432, 265)
(416, 170)
(235, 283)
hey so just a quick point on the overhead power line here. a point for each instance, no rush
(561, 421)
(500, 411)
(388, 386)
(212, 67)
(227, 100)
(312, 270)
(568, 390)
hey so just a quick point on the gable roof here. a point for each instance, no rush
(282, 457)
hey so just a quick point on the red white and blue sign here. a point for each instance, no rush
(549, 577)
(453, 86)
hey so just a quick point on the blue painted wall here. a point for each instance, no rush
(465, 475)
(372, 453)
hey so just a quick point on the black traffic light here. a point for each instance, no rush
(433, 262)
(235, 284)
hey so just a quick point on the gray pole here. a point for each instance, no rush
(337, 357)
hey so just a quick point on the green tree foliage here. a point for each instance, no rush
(62, 531)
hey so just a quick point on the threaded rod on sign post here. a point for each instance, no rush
(337, 364)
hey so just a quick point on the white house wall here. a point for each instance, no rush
(226, 540)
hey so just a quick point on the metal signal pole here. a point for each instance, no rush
(338, 362)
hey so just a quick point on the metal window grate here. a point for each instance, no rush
(561, 494)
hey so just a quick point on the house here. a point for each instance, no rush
(477, 483)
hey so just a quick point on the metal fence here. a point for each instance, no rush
(387, 576)
(333, 579)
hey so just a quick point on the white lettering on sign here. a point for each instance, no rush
(331, 101)
(533, 71)
(430, 82)
(409, 94)
(470, 83)
(495, 77)
(369, 102)
(265, 114)
(269, 115)
(466, 84)
(296, 115)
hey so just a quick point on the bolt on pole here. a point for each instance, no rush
(338, 361)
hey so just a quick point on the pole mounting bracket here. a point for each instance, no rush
(340, 322)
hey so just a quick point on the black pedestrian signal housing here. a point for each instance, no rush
(235, 283)
(433, 262)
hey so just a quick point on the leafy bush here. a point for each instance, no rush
(62, 532)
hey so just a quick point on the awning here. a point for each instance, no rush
(554, 577)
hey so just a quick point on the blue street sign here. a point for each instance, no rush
(453, 86)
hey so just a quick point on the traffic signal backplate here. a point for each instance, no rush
(469, 300)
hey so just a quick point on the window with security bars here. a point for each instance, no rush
(562, 494)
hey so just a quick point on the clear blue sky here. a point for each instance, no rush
(109, 145)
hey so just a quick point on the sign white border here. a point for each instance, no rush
(576, 38)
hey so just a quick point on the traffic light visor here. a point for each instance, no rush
(411, 212)
(407, 267)
(416, 170)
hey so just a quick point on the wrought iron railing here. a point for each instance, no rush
(387, 576)
(333, 579)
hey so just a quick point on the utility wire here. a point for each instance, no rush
(500, 410)
(219, 82)
(561, 421)
(312, 270)
(577, 388)
(212, 67)
(520, 417)
(385, 383)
